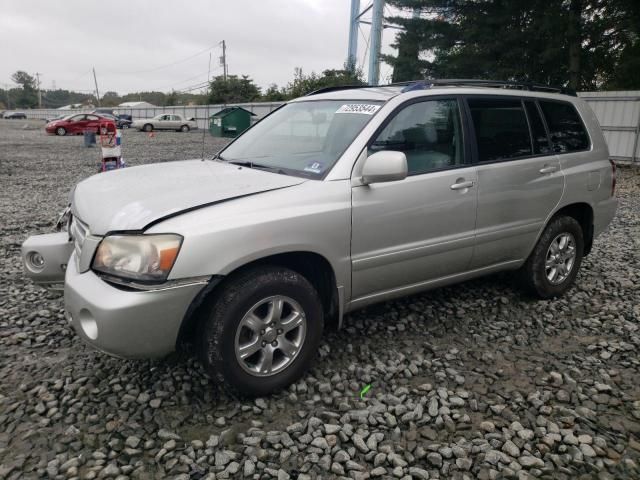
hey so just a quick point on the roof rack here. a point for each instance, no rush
(456, 82)
(471, 82)
(344, 87)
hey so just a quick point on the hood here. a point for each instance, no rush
(132, 198)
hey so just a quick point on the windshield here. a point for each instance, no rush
(302, 138)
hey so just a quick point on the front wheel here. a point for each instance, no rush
(553, 265)
(147, 127)
(261, 331)
(61, 131)
(184, 128)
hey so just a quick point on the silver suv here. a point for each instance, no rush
(337, 200)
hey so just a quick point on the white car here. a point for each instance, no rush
(165, 121)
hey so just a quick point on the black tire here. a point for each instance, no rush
(533, 275)
(147, 127)
(61, 131)
(224, 312)
(184, 128)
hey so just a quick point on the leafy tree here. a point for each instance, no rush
(26, 97)
(303, 84)
(233, 90)
(274, 94)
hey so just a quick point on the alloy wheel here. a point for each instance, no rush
(270, 336)
(561, 257)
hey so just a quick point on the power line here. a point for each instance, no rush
(172, 63)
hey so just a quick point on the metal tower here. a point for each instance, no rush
(377, 13)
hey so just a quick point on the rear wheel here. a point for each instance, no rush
(147, 127)
(553, 265)
(61, 131)
(261, 331)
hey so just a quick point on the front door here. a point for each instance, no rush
(78, 123)
(409, 232)
(519, 178)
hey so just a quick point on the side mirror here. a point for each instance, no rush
(384, 166)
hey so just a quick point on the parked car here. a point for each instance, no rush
(165, 121)
(75, 124)
(15, 115)
(56, 118)
(335, 201)
(119, 120)
(108, 111)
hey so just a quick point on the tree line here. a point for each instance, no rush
(233, 89)
(582, 44)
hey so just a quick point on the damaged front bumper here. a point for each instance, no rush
(46, 257)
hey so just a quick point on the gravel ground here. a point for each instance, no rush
(470, 381)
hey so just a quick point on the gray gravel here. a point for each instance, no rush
(470, 381)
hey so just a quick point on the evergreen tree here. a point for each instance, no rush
(568, 42)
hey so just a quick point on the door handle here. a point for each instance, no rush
(548, 169)
(462, 185)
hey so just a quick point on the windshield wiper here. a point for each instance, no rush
(218, 156)
(244, 163)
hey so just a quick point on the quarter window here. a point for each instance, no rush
(501, 128)
(428, 133)
(540, 140)
(566, 130)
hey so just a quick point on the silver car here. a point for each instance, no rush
(335, 201)
(165, 121)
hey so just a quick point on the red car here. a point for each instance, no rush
(75, 124)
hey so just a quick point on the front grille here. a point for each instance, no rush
(78, 233)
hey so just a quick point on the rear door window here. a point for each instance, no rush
(501, 128)
(540, 139)
(567, 132)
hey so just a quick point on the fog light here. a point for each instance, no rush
(36, 261)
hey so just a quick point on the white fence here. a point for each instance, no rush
(618, 113)
(619, 117)
(200, 112)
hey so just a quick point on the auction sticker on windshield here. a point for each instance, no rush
(315, 167)
(364, 108)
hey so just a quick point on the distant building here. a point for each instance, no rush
(75, 106)
(136, 105)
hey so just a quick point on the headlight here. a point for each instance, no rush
(147, 258)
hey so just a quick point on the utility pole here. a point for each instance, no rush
(376, 40)
(39, 91)
(352, 52)
(95, 80)
(223, 60)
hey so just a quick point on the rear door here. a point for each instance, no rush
(92, 122)
(410, 232)
(519, 177)
(176, 121)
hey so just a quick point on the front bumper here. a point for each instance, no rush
(54, 249)
(125, 323)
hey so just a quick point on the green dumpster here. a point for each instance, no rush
(230, 122)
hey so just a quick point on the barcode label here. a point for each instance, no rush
(364, 108)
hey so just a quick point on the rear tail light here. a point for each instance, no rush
(613, 177)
